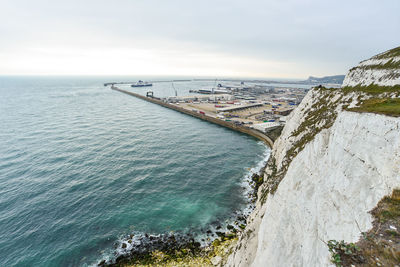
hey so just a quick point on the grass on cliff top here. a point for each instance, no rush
(372, 89)
(386, 106)
(390, 64)
(395, 52)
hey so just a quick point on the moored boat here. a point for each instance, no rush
(141, 83)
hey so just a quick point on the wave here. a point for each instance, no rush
(138, 243)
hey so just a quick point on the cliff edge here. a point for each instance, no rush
(337, 157)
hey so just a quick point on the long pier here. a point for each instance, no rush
(243, 129)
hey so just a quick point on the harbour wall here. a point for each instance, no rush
(243, 129)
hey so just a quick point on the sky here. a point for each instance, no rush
(213, 38)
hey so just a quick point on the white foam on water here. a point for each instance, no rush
(139, 237)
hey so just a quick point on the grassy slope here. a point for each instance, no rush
(380, 246)
(379, 101)
(372, 89)
(395, 52)
(386, 106)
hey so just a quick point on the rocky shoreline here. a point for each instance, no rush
(140, 248)
(143, 248)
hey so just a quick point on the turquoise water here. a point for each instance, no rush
(81, 166)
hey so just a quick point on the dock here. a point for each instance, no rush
(240, 128)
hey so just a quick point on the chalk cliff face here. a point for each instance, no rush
(327, 170)
(382, 69)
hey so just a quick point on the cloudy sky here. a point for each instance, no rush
(218, 38)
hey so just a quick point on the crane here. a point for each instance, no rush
(173, 86)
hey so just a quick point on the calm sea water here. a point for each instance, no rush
(81, 166)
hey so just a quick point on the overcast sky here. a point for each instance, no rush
(218, 38)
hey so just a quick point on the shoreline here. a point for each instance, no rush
(144, 249)
(259, 135)
(210, 243)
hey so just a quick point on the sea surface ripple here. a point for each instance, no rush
(82, 165)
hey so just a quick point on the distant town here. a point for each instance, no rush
(256, 106)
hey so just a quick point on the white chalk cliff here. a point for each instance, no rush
(381, 69)
(328, 169)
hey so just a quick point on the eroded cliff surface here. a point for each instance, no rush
(335, 159)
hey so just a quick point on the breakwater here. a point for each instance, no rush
(243, 129)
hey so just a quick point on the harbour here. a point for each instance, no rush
(251, 107)
(122, 165)
(202, 115)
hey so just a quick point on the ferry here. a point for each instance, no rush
(141, 83)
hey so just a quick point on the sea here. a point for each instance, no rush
(83, 166)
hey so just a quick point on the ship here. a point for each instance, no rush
(141, 83)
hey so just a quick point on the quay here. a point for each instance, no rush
(240, 128)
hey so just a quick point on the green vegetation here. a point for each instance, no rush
(272, 178)
(390, 64)
(275, 133)
(321, 115)
(386, 106)
(220, 248)
(388, 208)
(395, 52)
(257, 181)
(341, 251)
(380, 246)
(372, 89)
